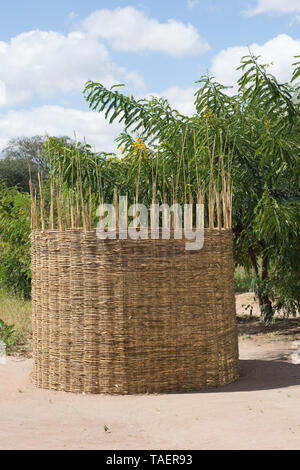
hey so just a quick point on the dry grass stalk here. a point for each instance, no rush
(116, 205)
(42, 202)
(59, 212)
(33, 203)
(74, 209)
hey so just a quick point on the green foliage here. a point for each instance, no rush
(152, 116)
(16, 158)
(15, 240)
(16, 311)
(15, 173)
(261, 124)
(7, 333)
(24, 148)
(21, 154)
(244, 280)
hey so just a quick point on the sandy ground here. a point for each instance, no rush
(260, 411)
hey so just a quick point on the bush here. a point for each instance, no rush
(15, 311)
(244, 280)
(15, 172)
(7, 334)
(15, 274)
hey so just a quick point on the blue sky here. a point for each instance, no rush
(49, 49)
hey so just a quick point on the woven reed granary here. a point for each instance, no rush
(132, 316)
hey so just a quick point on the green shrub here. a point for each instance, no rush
(7, 334)
(16, 311)
(244, 280)
(15, 274)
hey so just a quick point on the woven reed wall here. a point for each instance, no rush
(125, 316)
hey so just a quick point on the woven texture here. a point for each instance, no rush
(132, 316)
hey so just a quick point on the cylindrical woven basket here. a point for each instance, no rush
(132, 316)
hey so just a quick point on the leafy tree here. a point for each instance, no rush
(30, 148)
(16, 173)
(15, 240)
(25, 148)
(21, 154)
(260, 124)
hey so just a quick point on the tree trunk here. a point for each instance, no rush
(267, 309)
(264, 302)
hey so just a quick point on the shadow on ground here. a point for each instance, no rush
(281, 327)
(257, 374)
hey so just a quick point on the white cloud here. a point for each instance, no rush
(59, 121)
(44, 63)
(72, 15)
(181, 99)
(280, 6)
(280, 50)
(2, 93)
(192, 3)
(296, 18)
(128, 29)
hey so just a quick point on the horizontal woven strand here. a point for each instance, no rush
(132, 316)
